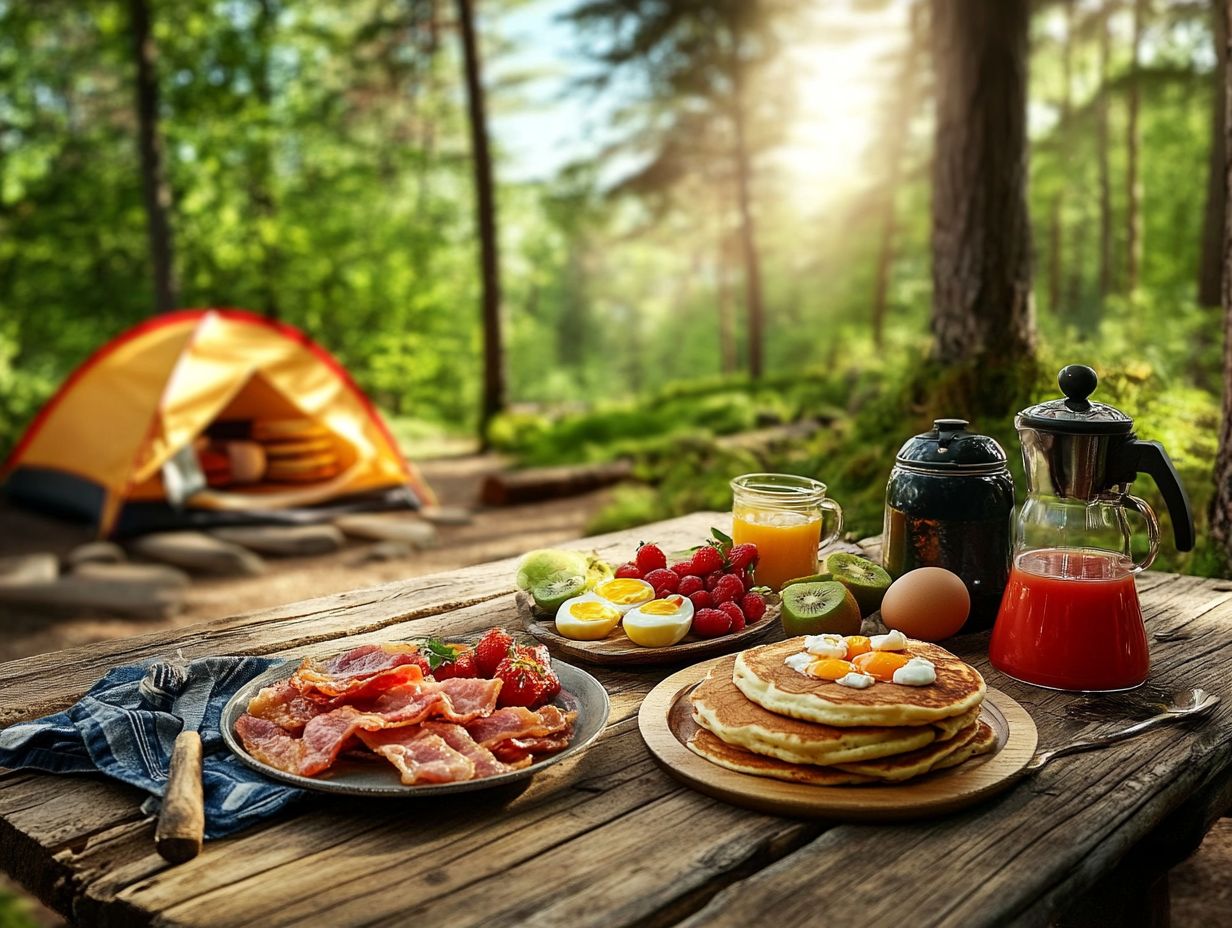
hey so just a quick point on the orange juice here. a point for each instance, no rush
(786, 542)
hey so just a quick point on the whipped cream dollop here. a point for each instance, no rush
(826, 645)
(892, 641)
(799, 661)
(855, 680)
(919, 671)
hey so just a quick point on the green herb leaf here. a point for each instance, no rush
(725, 541)
(437, 652)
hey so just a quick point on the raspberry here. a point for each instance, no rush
(630, 570)
(742, 556)
(683, 569)
(754, 606)
(690, 585)
(728, 589)
(711, 623)
(712, 580)
(701, 599)
(663, 581)
(650, 557)
(706, 560)
(732, 611)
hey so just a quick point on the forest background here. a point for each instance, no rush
(626, 228)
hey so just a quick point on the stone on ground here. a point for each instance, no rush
(283, 540)
(151, 574)
(383, 551)
(447, 515)
(24, 569)
(198, 553)
(410, 530)
(83, 593)
(95, 552)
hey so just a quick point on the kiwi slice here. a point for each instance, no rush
(813, 608)
(546, 564)
(551, 594)
(812, 578)
(866, 580)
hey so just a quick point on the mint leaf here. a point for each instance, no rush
(725, 541)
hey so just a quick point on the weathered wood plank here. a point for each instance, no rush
(1024, 857)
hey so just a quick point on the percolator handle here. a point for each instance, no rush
(1151, 458)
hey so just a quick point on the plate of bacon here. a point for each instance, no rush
(416, 717)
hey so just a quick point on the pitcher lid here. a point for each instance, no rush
(950, 448)
(1075, 414)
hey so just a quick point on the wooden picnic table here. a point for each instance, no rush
(608, 838)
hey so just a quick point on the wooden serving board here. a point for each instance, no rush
(666, 722)
(616, 648)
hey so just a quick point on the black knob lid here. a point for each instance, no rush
(1077, 382)
(950, 425)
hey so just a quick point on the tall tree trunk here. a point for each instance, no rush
(1210, 268)
(1133, 183)
(265, 208)
(726, 320)
(748, 232)
(1221, 504)
(1056, 271)
(493, 398)
(1101, 155)
(982, 305)
(156, 190)
(897, 131)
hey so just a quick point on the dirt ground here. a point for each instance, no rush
(1201, 887)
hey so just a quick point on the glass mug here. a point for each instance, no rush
(783, 515)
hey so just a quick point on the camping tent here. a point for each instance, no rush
(104, 448)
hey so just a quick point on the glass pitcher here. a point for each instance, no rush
(1070, 617)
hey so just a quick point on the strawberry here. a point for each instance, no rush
(462, 665)
(742, 556)
(728, 589)
(754, 606)
(711, 623)
(493, 648)
(664, 582)
(706, 560)
(629, 570)
(732, 611)
(525, 681)
(702, 599)
(683, 569)
(690, 585)
(650, 557)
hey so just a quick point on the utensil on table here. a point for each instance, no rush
(180, 831)
(1198, 702)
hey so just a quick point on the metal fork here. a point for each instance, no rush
(1197, 702)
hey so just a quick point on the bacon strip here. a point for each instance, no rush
(421, 756)
(518, 722)
(459, 739)
(285, 706)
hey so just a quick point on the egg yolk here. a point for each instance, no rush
(830, 668)
(625, 590)
(881, 664)
(591, 611)
(857, 645)
(669, 606)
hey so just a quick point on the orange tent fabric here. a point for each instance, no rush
(150, 392)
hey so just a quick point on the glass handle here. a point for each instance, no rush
(1143, 508)
(831, 506)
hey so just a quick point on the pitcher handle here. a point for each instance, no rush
(832, 506)
(1143, 508)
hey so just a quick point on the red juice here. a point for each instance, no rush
(1070, 619)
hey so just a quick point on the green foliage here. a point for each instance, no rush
(15, 912)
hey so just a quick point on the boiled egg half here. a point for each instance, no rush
(625, 593)
(586, 618)
(659, 623)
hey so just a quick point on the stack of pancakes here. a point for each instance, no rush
(296, 450)
(758, 716)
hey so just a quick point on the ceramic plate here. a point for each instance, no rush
(580, 692)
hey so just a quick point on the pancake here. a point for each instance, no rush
(984, 742)
(948, 728)
(763, 677)
(704, 744)
(724, 711)
(913, 763)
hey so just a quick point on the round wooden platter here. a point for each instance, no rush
(666, 722)
(616, 648)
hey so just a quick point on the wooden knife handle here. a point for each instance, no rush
(181, 823)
